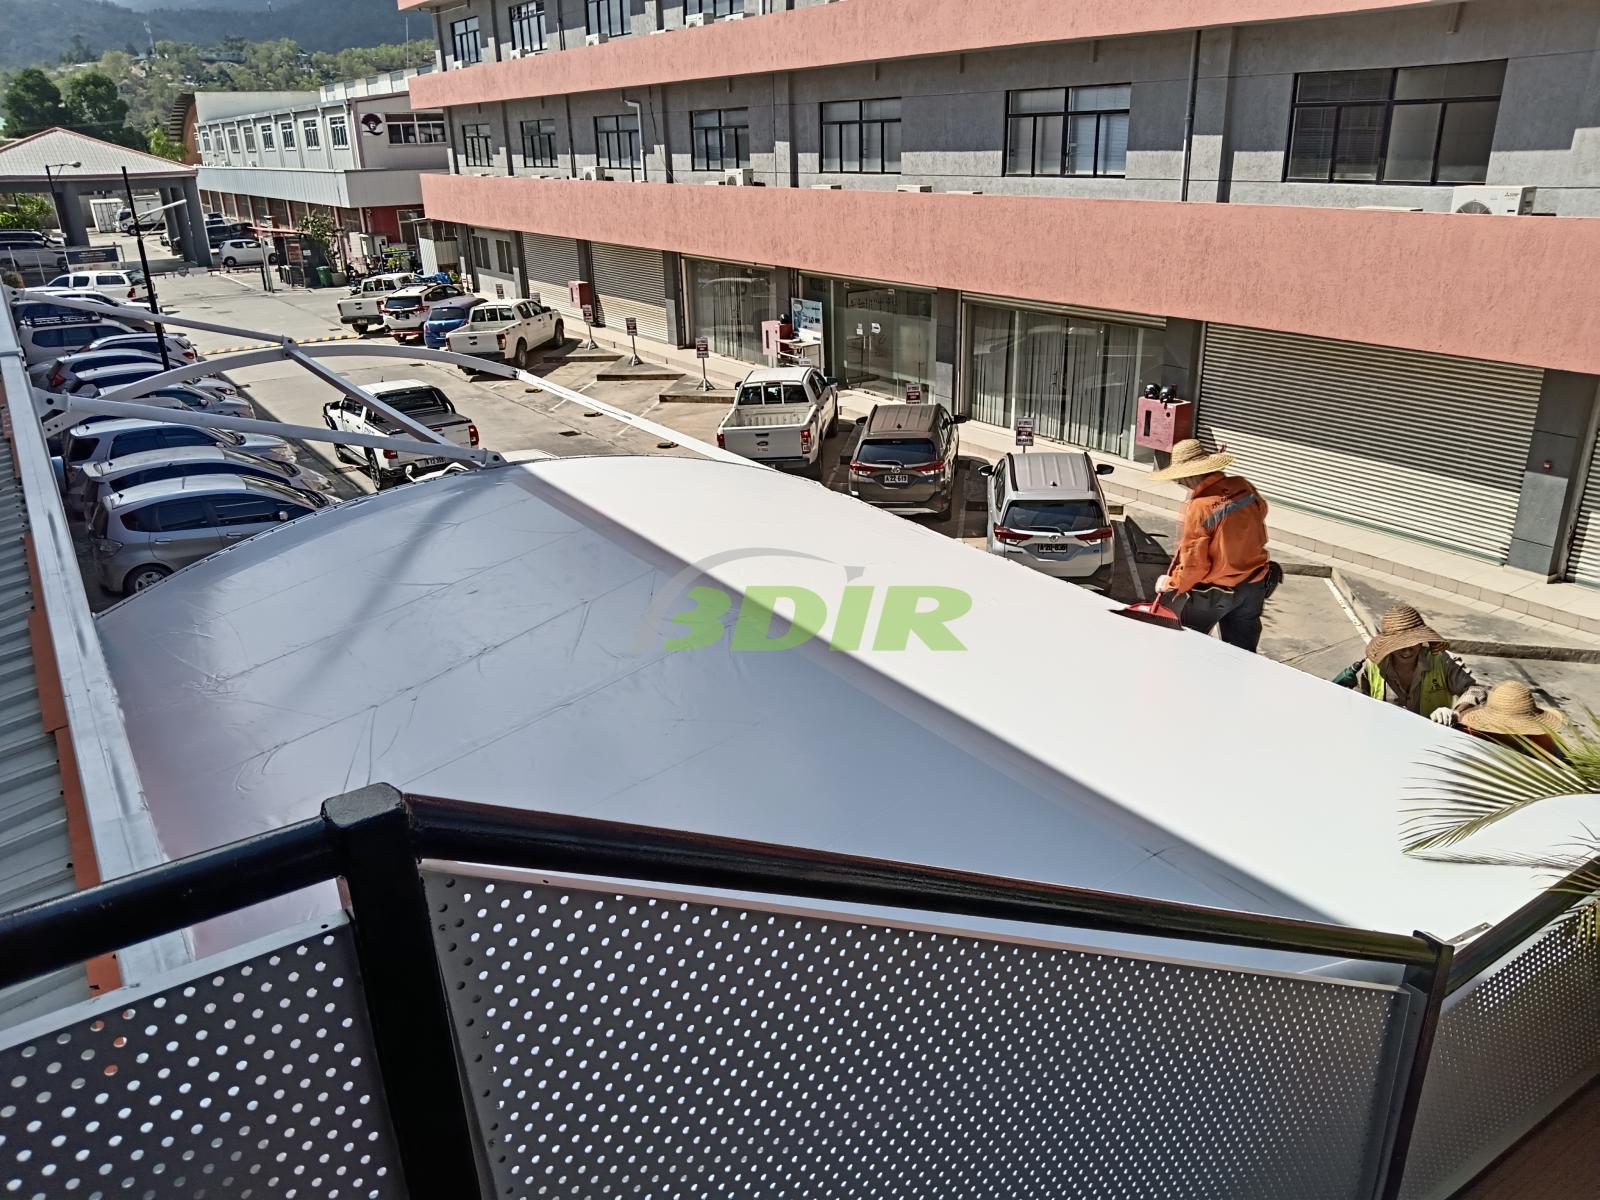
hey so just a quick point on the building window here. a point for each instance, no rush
(608, 17)
(465, 41)
(313, 133)
(233, 139)
(477, 145)
(205, 140)
(249, 132)
(539, 143)
(406, 129)
(502, 254)
(480, 251)
(1412, 125)
(286, 132)
(338, 133)
(721, 139)
(861, 137)
(715, 8)
(1068, 131)
(527, 27)
(618, 141)
(727, 304)
(266, 138)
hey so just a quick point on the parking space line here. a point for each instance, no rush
(1344, 606)
(1129, 561)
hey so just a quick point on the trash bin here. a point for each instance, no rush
(324, 277)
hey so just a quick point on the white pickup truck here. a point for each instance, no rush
(422, 402)
(506, 331)
(781, 416)
(364, 306)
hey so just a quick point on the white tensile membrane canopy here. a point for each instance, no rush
(498, 637)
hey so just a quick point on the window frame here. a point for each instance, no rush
(604, 139)
(248, 133)
(463, 38)
(702, 161)
(311, 133)
(473, 143)
(1389, 104)
(859, 124)
(540, 140)
(609, 10)
(338, 132)
(286, 134)
(269, 139)
(233, 140)
(525, 17)
(1066, 113)
(721, 10)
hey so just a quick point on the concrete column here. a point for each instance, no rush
(172, 217)
(785, 162)
(1210, 164)
(198, 251)
(672, 267)
(1552, 481)
(69, 210)
(946, 348)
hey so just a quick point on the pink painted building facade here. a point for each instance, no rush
(1351, 230)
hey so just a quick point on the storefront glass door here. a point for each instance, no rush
(727, 304)
(879, 338)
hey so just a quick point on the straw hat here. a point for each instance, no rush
(1189, 459)
(1510, 709)
(1401, 626)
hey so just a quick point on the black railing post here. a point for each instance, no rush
(1427, 987)
(405, 993)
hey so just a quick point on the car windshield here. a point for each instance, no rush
(1053, 516)
(898, 451)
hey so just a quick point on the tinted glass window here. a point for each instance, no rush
(245, 510)
(80, 448)
(177, 515)
(905, 451)
(177, 435)
(140, 520)
(1057, 516)
(135, 443)
(413, 400)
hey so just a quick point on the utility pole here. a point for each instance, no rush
(144, 263)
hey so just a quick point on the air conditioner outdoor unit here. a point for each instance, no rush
(976, 192)
(739, 177)
(826, 187)
(914, 187)
(695, 20)
(592, 173)
(594, 39)
(1496, 201)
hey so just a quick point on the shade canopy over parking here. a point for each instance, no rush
(503, 637)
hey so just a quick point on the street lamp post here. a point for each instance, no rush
(55, 197)
(144, 263)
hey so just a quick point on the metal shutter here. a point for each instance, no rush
(631, 283)
(552, 263)
(1421, 445)
(1583, 564)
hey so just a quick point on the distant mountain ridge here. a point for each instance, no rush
(38, 31)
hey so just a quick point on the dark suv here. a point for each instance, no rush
(905, 459)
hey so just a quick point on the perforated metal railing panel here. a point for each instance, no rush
(244, 1078)
(625, 1045)
(1508, 1050)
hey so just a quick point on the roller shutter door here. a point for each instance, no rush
(631, 283)
(1421, 445)
(1583, 564)
(552, 263)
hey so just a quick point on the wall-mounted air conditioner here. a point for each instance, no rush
(914, 187)
(592, 173)
(594, 39)
(1495, 201)
(695, 20)
(826, 187)
(974, 192)
(739, 177)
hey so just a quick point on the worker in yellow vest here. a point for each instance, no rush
(1409, 665)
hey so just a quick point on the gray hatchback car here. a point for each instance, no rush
(140, 536)
(905, 459)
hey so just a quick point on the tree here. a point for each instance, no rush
(93, 105)
(28, 212)
(33, 103)
(77, 51)
(158, 143)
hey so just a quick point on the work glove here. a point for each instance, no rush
(1164, 584)
(1443, 716)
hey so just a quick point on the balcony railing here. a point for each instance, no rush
(600, 1009)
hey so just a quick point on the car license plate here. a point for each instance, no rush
(428, 462)
(896, 480)
(1063, 549)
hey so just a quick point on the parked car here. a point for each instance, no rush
(363, 308)
(905, 459)
(508, 331)
(1048, 512)
(244, 252)
(29, 249)
(107, 379)
(179, 348)
(118, 437)
(219, 233)
(125, 285)
(781, 416)
(52, 338)
(421, 402)
(101, 479)
(140, 536)
(197, 398)
(446, 318)
(61, 374)
(404, 311)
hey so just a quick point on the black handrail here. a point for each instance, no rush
(551, 842)
(1504, 936)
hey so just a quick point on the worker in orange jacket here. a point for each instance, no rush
(1221, 569)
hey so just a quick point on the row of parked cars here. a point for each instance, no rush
(1045, 509)
(156, 496)
(443, 315)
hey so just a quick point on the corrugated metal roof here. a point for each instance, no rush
(35, 857)
(26, 158)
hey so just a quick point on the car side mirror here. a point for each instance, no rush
(861, 420)
(1103, 468)
(961, 420)
(986, 470)
(831, 381)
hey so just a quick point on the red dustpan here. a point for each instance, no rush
(1153, 612)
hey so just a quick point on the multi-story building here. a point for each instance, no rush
(357, 149)
(1036, 210)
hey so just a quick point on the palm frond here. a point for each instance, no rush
(1485, 782)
